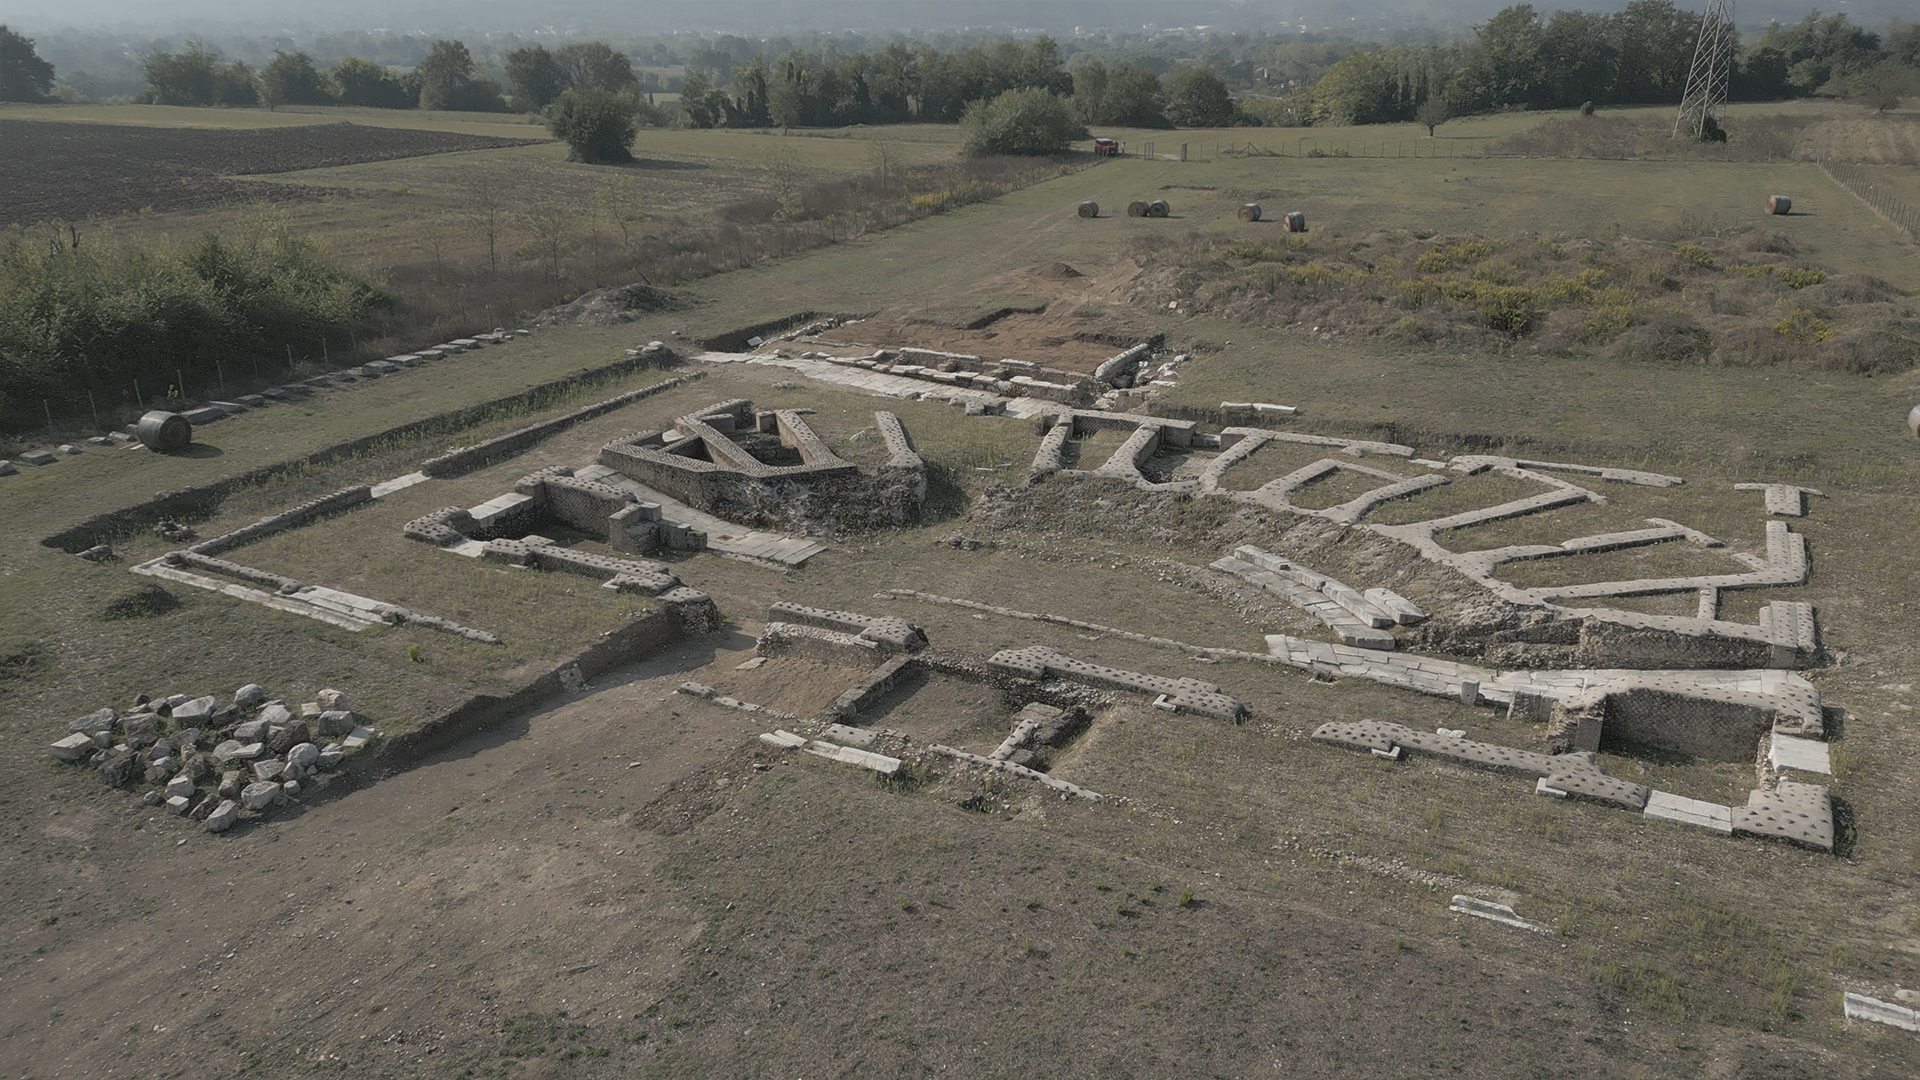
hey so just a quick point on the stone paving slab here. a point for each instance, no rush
(1873, 1010)
(1666, 806)
(399, 483)
(1806, 755)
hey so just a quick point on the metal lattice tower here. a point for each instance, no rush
(1706, 96)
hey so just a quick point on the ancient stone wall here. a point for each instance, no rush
(286, 519)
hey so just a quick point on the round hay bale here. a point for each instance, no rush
(1913, 421)
(1779, 204)
(1136, 208)
(1250, 212)
(1089, 209)
(1158, 208)
(164, 431)
(1295, 221)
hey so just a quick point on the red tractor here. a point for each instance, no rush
(1106, 148)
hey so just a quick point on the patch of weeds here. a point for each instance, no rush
(530, 1033)
(145, 601)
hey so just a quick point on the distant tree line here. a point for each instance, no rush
(1519, 58)
(445, 79)
(1640, 55)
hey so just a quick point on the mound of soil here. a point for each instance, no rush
(611, 307)
(50, 169)
(1058, 271)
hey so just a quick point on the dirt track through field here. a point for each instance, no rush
(74, 171)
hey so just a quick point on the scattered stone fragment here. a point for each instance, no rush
(303, 756)
(250, 695)
(230, 783)
(198, 709)
(361, 736)
(177, 805)
(142, 731)
(252, 730)
(223, 816)
(329, 700)
(334, 722)
(179, 785)
(258, 796)
(119, 770)
(288, 737)
(73, 747)
(269, 769)
(99, 720)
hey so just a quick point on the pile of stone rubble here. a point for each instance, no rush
(211, 763)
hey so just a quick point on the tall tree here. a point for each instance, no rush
(1197, 97)
(1657, 42)
(1506, 64)
(594, 65)
(535, 76)
(363, 82)
(291, 79)
(1580, 56)
(447, 81)
(24, 76)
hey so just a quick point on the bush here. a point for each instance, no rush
(598, 126)
(118, 309)
(1019, 122)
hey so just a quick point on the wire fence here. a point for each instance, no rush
(1859, 180)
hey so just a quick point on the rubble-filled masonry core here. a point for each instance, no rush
(763, 486)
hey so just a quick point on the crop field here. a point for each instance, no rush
(620, 879)
(77, 171)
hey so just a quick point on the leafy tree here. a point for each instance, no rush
(703, 105)
(748, 107)
(1580, 53)
(235, 84)
(23, 75)
(1881, 87)
(1506, 63)
(598, 126)
(1197, 97)
(1819, 51)
(447, 81)
(592, 65)
(1029, 121)
(1124, 95)
(363, 82)
(1657, 42)
(291, 79)
(535, 76)
(1431, 113)
(1360, 89)
(185, 78)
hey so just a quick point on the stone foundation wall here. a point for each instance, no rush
(1605, 644)
(1723, 728)
(286, 519)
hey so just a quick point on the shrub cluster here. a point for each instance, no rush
(1709, 300)
(95, 316)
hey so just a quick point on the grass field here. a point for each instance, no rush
(625, 883)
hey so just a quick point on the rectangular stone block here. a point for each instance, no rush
(1403, 610)
(1806, 755)
(1666, 806)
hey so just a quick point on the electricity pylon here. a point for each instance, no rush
(1706, 96)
